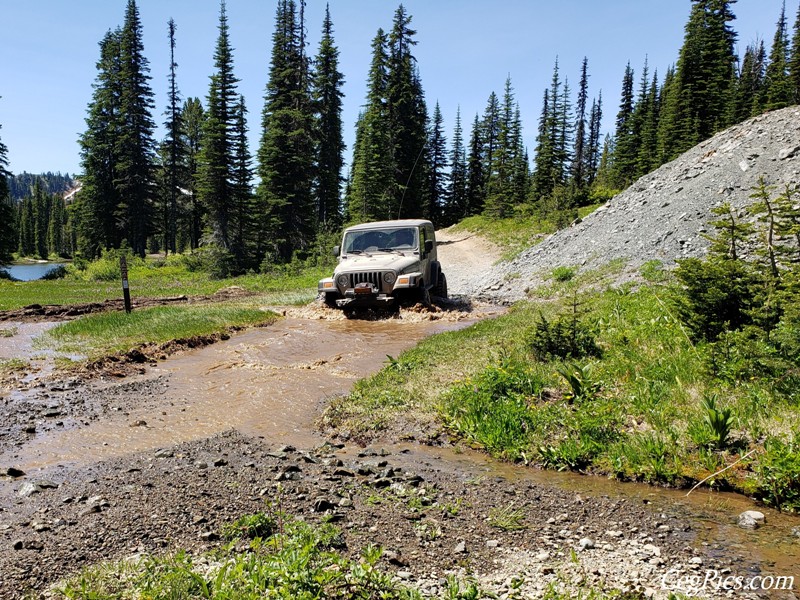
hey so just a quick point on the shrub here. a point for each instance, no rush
(778, 473)
(57, 272)
(566, 337)
(563, 274)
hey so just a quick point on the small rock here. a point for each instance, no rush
(404, 575)
(796, 531)
(220, 462)
(586, 544)
(751, 519)
(344, 473)
(18, 544)
(696, 560)
(14, 472)
(322, 505)
(394, 558)
(28, 489)
(492, 543)
(209, 536)
(460, 548)
(287, 448)
(164, 453)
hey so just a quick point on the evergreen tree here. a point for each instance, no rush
(579, 149)
(437, 175)
(625, 142)
(327, 86)
(475, 191)
(244, 233)
(407, 118)
(779, 92)
(697, 102)
(215, 181)
(544, 173)
(27, 228)
(490, 134)
(593, 142)
(55, 227)
(98, 199)
(456, 204)
(7, 233)
(286, 153)
(648, 117)
(192, 125)
(174, 153)
(135, 146)
(41, 218)
(749, 95)
(372, 185)
(794, 60)
(501, 196)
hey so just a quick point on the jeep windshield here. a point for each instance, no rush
(390, 239)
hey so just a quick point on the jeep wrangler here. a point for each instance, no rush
(383, 263)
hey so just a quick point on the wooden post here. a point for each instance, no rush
(126, 292)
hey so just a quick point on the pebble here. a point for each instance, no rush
(751, 519)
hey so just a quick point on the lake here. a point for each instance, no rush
(31, 271)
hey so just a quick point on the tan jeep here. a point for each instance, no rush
(383, 263)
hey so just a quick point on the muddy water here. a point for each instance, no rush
(271, 382)
(17, 343)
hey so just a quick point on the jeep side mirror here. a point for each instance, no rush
(428, 246)
(336, 250)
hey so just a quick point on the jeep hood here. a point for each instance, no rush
(377, 261)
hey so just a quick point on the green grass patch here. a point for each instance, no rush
(160, 278)
(107, 333)
(635, 399)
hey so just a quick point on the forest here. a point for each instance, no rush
(202, 189)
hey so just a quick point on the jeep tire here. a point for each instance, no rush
(440, 289)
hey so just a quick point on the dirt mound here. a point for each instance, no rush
(664, 215)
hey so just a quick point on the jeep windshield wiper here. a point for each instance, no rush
(354, 252)
(390, 250)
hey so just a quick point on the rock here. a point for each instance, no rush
(209, 536)
(751, 519)
(18, 544)
(344, 473)
(322, 505)
(492, 543)
(796, 531)
(405, 575)
(164, 453)
(287, 448)
(394, 558)
(13, 472)
(461, 547)
(586, 544)
(220, 462)
(28, 489)
(785, 153)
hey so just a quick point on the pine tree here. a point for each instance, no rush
(794, 60)
(286, 153)
(500, 194)
(749, 95)
(647, 157)
(456, 204)
(778, 86)
(174, 153)
(625, 142)
(56, 225)
(439, 163)
(215, 187)
(135, 146)
(593, 142)
(408, 119)
(475, 190)
(192, 125)
(243, 238)
(697, 101)
(99, 197)
(578, 168)
(372, 192)
(27, 227)
(41, 218)
(327, 86)
(7, 234)
(490, 133)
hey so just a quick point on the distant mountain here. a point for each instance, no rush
(21, 185)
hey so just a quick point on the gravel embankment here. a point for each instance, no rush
(664, 215)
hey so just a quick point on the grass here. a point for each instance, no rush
(102, 334)
(638, 410)
(516, 233)
(156, 279)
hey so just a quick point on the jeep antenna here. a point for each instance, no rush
(403, 197)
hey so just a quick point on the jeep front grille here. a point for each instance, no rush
(373, 277)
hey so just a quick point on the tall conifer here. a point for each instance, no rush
(779, 92)
(7, 233)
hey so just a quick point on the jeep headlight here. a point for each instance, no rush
(342, 280)
(389, 277)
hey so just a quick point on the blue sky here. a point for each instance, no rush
(465, 50)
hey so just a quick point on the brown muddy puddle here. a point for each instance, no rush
(17, 343)
(271, 382)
